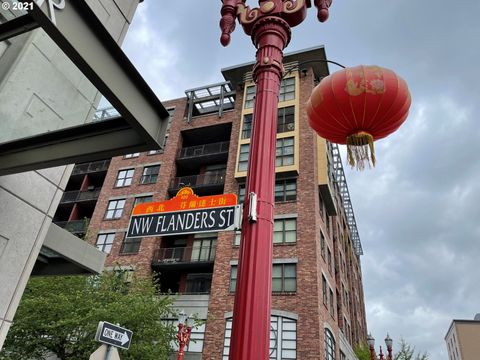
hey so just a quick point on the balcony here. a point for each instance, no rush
(80, 196)
(86, 168)
(203, 184)
(74, 226)
(208, 153)
(184, 257)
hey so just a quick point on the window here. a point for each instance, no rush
(130, 245)
(124, 178)
(238, 237)
(283, 338)
(284, 278)
(141, 200)
(322, 244)
(329, 345)
(324, 290)
(241, 193)
(342, 356)
(198, 283)
(284, 152)
(150, 174)
(287, 89)
(247, 126)
(132, 155)
(204, 249)
(286, 190)
(285, 231)
(286, 119)
(115, 209)
(332, 309)
(243, 158)
(250, 96)
(104, 242)
(329, 258)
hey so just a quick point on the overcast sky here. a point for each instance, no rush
(418, 211)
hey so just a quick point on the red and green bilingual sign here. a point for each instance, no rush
(186, 213)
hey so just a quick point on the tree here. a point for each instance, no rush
(362, 351)
(60, 315)
(406, 352)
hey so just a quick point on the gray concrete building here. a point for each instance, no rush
(41, 91)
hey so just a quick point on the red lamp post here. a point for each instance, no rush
(269, 27)
(371, 345)
(183, 334)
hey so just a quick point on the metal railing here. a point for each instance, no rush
(207, 179)
(205, 149)
(90, 167)
(185, 254)
(75, 196)
(74, 226)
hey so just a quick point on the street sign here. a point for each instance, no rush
(186, 213)
(114, 335)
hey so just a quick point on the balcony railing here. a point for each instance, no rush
(74, 226)
(202, 150)
(207, 179)
(91, 167)
(77, 196)
(185, 254)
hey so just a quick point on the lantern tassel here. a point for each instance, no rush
(360, 150)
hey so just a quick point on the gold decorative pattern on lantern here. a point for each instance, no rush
(374, 86)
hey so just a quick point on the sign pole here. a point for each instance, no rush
(108, 353)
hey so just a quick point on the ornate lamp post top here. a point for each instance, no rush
(292, 11)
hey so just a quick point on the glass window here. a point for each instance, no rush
(104, 242)
(284, 152)
(329, 258)
(322, 244)
(132, 155)
(241, 193)
(115, 209)
(150, 174)
(284, 277)
(130, 245)
(329, 345)
(285, 231)
(286, 119)
(332, 309)
(283, 338)
(204, 249)
(198, 283)
(250, 96)
(124, 178)
(238, 237)
(287, 89)
(141, 200)
(324, 290)
(233, 278)
(243, 158)
(285, 190)
(247, 126)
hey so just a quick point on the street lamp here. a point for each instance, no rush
(371, 345)
(184, 331)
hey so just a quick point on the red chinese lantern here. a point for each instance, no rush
(356, 106)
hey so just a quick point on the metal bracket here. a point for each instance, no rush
(252, 211)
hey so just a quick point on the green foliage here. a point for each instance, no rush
(406, 352)
(362, 351)
(60, 315)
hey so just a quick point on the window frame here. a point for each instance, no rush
(125, 178)
(284, 183)
(285, 153)
(285, 113)
(114, 210)
(134, 243)
(330, 345)
(243, 163)
(287, 88)
(105, 244)
(283, 231)
(149, 176)
(250, 92)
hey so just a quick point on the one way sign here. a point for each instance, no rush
(111, 334)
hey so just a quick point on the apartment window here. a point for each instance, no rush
(233, 278)
(150, 174)
(329, 345)
(115, 209)
(286, 119)
(284, 152)
(285, 190)
(124, 178)
(238, 237)
(132, 155)
(250, 96)
(141, 200)
(204, 249)
(104, 242)
(287, 89)
(243, 158)
(130, 245)
(247, 126)
(284, 278)
(322, 244)
(285, 231)
(241, 193)
(329, 258)
(283, 338)
(324, 290)
(332, 309)
(198, 283)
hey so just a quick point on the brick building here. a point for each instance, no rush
(318, 305)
